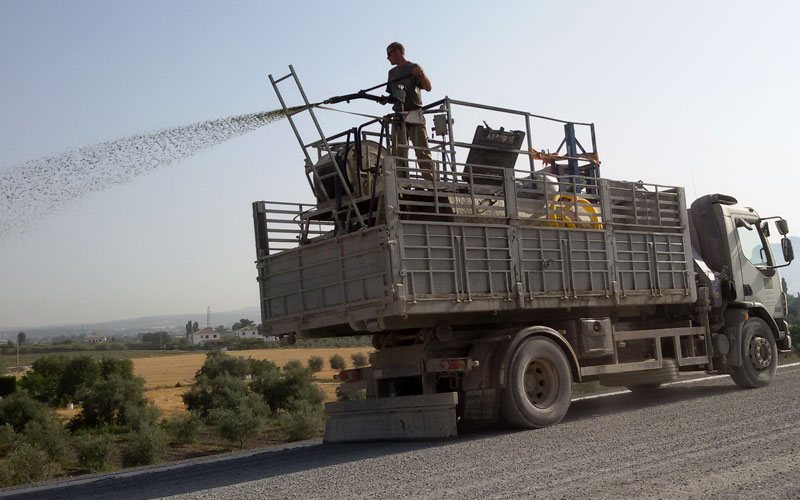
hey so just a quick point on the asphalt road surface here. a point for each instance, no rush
(706, 439)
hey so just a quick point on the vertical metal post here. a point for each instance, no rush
(510, 192)
(594, 150)
(391, 198)
(453, 166)
(530, 140)
(572, 148)
(691, 291)
(261, 230)
(262, 251)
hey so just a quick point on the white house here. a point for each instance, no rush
(251, 332)
(204, 336)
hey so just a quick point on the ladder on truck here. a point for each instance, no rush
(343, 216)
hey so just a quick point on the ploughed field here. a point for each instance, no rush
(167, 377)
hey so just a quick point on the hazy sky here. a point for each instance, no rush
(692, 93)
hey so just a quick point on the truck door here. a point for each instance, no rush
(759, 284)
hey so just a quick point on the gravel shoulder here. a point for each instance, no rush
(698, 440)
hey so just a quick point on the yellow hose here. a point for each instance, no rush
(565, 203)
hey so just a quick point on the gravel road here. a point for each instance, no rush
(707, 439)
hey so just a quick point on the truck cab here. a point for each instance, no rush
(752, 261)
(733, 241)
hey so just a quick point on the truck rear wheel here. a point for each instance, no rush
(539, 385)
(759, 355)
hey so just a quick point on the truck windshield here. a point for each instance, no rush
(752, 243)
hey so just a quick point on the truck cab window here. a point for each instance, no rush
(752, 243)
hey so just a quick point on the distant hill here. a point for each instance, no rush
(170, 323)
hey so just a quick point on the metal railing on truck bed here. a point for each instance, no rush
(472, 243)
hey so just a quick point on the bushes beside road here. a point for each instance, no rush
(286, 399)
(36, 443)
(103, 384)
(233, 400)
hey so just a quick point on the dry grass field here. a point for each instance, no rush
(162, 374)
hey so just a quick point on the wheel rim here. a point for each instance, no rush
(760, 353)
(541, 383)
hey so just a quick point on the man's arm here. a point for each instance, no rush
(422, 78)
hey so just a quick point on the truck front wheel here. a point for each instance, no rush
(539, 385)
(759, 355)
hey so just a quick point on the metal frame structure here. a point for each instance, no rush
(307, 107)
(475, 239)
(349, 211)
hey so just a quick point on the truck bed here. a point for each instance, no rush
(468, 254)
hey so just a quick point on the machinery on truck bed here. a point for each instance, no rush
(490, 288)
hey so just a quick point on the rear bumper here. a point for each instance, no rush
(431, 416)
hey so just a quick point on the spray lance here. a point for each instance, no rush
(398, 95)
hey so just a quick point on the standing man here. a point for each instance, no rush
(409, 77)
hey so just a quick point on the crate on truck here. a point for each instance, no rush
(512, 271)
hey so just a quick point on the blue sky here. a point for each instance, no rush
(698, 94)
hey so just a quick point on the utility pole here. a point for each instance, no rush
(20, 340)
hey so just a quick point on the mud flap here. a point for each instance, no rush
(431, 416)
(785, 343)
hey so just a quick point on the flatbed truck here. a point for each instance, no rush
(513, 273)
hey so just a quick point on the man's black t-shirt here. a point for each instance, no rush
(411, 84)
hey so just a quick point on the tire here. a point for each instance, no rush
(643, 380)
(759, 356)
(539, 385)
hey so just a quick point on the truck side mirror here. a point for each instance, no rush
(788, 251)
(783, 227)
